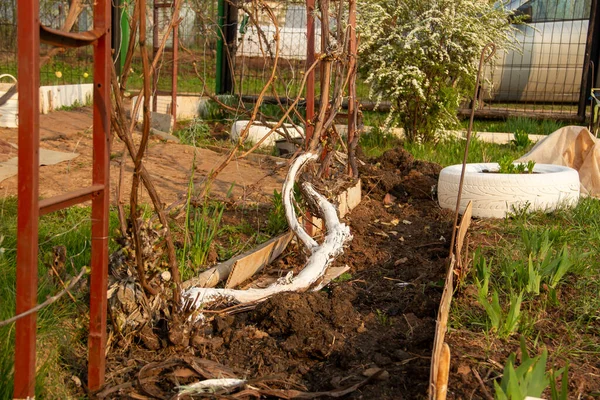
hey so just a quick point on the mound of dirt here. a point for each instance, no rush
(307, 324)
(398, 173)
(288, 333)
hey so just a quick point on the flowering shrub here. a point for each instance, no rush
(423, 55)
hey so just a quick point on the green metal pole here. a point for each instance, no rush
(124, 33)
(220, 44)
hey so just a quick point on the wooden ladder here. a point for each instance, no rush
(30, 33)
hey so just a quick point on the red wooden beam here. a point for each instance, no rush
(28, 39)
(69, 199)
(30, 208)
(100, 203)
(56, 37)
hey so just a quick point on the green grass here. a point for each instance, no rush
(543, 275)
(551, 260)
(374, 118)
(450, 150)
(74, 69)
(377, 141)
(62, 330)
(71, 72)
(514, 124)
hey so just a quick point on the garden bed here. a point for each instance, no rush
(381, 313)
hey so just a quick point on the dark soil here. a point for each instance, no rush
(380, 315)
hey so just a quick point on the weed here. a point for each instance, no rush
(234, 247)
(543, 265)
(483, 271)
(563, 374)
(212, 111)
(205, 225)
(76, 105)
(531, 126)
(507, 166)
(345, 277)
(557, 268)
(383, 318)
(521, 139)
(276, 219)
(195, 133)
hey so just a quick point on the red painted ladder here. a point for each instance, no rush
(30, 33)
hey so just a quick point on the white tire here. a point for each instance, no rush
(494, 195)
(257, 131)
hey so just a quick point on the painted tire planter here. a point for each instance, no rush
(258, 130)
(494, 194)
(9, 111)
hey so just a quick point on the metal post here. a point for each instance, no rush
(220, 42)
(28, 38)
(310, 79)
(175, 65)
(124, 18)
(592, 53)
(100, 203)
(231, 20)
(116, 36)
(226, 35)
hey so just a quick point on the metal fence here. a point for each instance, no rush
(255, 52)
(549, 76)
(67, 66)
(196, 44)
(544, 75)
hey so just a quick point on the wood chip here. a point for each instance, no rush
(400, 261)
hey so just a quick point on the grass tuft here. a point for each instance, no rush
(59, 337)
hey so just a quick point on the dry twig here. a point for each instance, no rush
(49, 301)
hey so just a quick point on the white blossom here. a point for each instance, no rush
(422, 55)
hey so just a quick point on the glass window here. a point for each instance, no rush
(558, 10)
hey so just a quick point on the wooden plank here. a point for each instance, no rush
(438, 352)
(443, 373)
(250, 264)
(220, 272)
(441, 326)
(463, 227)
(331, 274)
